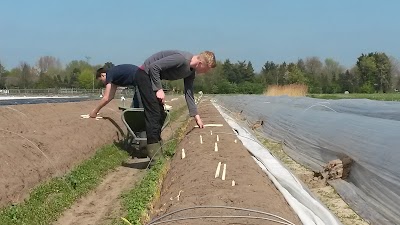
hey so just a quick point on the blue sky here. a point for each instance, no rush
(128, 31)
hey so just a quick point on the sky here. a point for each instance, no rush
(129, 31)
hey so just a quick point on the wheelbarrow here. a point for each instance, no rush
(133, 119)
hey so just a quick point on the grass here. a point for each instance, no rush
(377, 96)
(290, 90)
(140, 199)
(47, 201)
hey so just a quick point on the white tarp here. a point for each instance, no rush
(309, 210)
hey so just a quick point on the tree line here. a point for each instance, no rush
(372, 72)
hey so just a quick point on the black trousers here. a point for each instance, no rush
(153, 109)
(137, 101)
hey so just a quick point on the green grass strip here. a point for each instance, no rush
(376, 96)
(47, 201)
(137, 201)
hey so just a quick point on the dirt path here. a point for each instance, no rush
(191, 182)
(103, 204)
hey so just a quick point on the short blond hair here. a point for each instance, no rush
(209, 58)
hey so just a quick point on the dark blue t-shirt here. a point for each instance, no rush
(122, 75)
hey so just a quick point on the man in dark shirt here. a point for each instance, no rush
(164, 65)
(120, 75)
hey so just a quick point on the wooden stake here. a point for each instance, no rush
(201, 139)
(224, 172)
(233, 183)
(216, 147)
(218, 169)
(211, 132)
(217, 137)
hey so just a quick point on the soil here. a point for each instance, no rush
(46, 140)
(191, 181)
(42, 141)
(103, 205)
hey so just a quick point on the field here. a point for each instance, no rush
(61, 169)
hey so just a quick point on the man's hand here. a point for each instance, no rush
(93, 114)
(199, 121)
(161, 95)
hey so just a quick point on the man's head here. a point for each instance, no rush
(101, 75)
(203, 62)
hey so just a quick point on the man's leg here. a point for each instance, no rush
(152, 115)
(151, 106)
(137, 101)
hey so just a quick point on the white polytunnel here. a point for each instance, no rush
(309, 210)
(315, 131)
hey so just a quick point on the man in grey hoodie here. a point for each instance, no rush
(168, 65)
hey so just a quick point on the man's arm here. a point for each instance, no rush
(189, 96)
(171, 61)
(108, 96)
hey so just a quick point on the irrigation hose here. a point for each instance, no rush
(220, 217)
(220, 207)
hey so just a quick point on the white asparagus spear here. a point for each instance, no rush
(224, 172)
(218, 169)
(183, 153)
(211, 125)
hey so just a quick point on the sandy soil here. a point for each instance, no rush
(45, 140)
(190, 181)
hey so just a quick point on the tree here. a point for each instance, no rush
(25, 77)
(295, 75)
(374, 71)
(301, 65)
(226, 87)
(229, 71)
(332, 68)
(2, 76)
(329, 74)
(249, 72)
(12, 80)
(73, 70)
(395, 72)
(48, 62)
(313, 66)
(269, 72)
(383, 67)
(282, 73)
(250, 88)
(45, 81)
(85, 79)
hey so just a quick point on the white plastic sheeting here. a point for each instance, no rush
(309, 210)
(314, 132)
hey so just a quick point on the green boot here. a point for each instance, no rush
(154, 152)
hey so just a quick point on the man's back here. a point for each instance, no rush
(122, 75)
